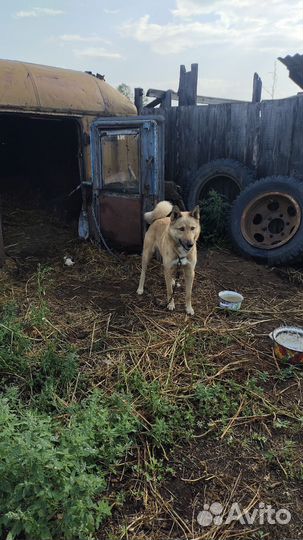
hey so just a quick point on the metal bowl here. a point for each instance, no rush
(288, 344)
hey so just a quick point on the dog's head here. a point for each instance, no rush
(185, 227)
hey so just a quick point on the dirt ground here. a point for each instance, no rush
(256, 458)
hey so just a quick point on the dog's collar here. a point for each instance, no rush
(180, 261)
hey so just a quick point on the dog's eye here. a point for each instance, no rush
(192, 228)
(181, 228)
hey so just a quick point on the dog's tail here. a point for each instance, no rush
(162, 210)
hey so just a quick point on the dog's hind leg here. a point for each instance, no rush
(146, 257)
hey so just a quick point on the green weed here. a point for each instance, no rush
(53, 476)
(215, 402)
(214, 213)
(167, 420)
(285, 456)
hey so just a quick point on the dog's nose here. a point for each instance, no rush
(189, 245)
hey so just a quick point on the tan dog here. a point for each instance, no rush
(175, 237)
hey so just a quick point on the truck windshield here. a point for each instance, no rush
(120, 162)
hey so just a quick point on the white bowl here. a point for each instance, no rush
(230, 300)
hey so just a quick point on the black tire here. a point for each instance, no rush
(226, 176)
(290, 251)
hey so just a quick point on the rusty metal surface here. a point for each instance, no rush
(121, 220)
(33, 87)
(120, 212)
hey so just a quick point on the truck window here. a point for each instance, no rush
(120, 162)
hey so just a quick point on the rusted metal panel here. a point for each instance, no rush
(126, 185)
(120, 220)
(15, 86)
(34, 87)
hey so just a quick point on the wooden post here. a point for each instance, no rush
(166, 103)
(257, 89)
(188, 83)
(139, 99)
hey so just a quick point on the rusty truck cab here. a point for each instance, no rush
(68, 138)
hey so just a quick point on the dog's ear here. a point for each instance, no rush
(175, 213)
(195, 213)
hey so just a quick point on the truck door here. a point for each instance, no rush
(128, 175)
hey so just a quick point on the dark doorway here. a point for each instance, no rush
(39, 176)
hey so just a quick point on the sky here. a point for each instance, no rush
(142, 43)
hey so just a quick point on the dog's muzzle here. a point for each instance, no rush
(187, 247)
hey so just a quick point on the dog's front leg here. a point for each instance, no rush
(189, 273)
(146, 257)
(169, 288)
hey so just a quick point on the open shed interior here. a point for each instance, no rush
(38, 175)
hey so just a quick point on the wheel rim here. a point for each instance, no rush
(270, 220)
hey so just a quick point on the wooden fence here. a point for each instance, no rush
(266, 136)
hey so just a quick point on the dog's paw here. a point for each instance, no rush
(140, 291)
(171, 305)
(190, 311)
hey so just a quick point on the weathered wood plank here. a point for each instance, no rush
(139, 99)
(154, 103)
(252, 134)
(201, 100)
(166, 102)
(296, 155)
(265, 136)
(219, 125)
(203, 136)
(276, 125)
(188, 83)
(238, 132)
(257, 89)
